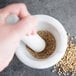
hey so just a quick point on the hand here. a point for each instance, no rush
(10, 36)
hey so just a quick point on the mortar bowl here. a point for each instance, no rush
(52, 25)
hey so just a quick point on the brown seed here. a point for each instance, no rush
(53, 70)
(68, 62)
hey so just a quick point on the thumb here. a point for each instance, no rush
(25, 25)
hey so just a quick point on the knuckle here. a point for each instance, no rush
(22, 5)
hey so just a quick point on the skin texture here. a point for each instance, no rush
(10, 36)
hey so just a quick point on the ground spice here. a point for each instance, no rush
(67, 65)
(50, 45)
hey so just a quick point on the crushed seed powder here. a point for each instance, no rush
(50, 45)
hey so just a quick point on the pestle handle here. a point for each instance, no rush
(35, 42)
